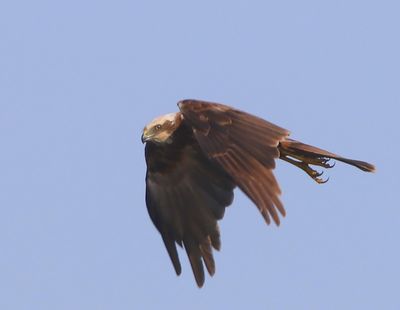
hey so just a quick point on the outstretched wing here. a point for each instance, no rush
(244, 145)
(185, 195)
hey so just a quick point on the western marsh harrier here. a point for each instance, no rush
(195, 159)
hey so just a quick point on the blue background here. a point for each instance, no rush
(80, 79)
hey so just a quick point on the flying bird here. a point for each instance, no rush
(197, 157)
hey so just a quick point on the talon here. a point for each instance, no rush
(325, 163)
(317, 174)
(321, 181)
(331, 165)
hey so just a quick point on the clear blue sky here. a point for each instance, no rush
(80, 79)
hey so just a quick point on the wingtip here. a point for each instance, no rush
(181, 103)
(200, 285)
(178, 270)
(199, 278)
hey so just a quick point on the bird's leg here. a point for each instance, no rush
(302, 163)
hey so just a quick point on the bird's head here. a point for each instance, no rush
(161, 128)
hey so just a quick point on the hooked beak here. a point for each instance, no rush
(145, 138)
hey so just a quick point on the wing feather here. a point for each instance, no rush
(172, 252)
(206, 252)
(194, 254)
(244, 145)
(186, 194)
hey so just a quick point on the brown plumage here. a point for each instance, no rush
(196, 157)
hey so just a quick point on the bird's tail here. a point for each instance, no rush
(302, 155)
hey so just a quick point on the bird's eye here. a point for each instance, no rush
(158, 127)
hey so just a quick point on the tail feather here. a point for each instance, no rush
(364, 166)
(303, 155)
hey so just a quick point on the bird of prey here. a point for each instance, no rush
(199, 155)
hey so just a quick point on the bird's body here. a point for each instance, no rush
(196, 157)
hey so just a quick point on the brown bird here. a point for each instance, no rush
(196, 157)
